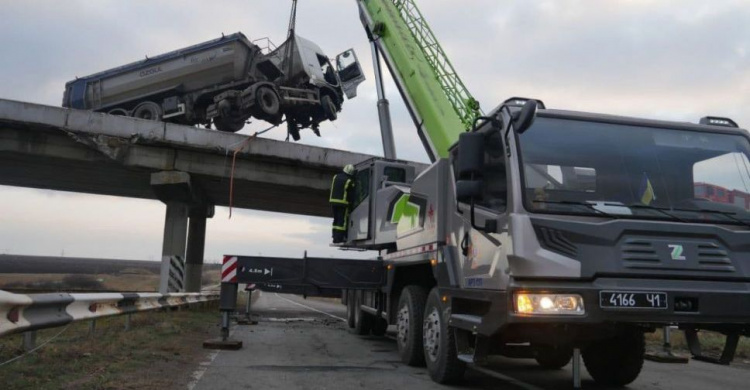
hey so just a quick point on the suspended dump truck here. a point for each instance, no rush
(224, 83)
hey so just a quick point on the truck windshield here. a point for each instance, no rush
(623, 171)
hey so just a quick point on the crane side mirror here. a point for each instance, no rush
(524, 118)
(470, 154)
(468, 190)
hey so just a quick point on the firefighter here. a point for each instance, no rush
(342, 195)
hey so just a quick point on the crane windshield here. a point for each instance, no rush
(622, 171)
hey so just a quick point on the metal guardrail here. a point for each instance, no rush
(24, 312)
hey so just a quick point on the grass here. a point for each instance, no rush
(159, 351)
(711, 343)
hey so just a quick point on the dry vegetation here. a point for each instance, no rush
(159, 352)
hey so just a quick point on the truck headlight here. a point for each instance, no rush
(549, 304)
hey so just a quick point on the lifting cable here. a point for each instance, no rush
(234, 159)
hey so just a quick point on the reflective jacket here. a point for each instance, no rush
(342, 189)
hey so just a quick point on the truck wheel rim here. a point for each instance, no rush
(403, 324)
(431, 332)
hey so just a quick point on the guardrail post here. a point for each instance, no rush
(29, 340)
(92, 327)
(127, 322)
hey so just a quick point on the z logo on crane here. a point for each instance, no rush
(676, 251)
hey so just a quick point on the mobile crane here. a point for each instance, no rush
(535, 232)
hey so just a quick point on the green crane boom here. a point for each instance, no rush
(437, 99)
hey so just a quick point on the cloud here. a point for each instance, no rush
(677, 60)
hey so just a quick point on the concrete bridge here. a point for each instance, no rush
(187, 168)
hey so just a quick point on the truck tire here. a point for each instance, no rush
(440, 342)
(148, 110)
(553, 358)
(229, 125)
(350, 308)
(409, 324)
(118, 112)
(267, 101)
(329, 108)
(616, 361)
(362, 320)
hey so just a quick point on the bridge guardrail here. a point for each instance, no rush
(24, 312)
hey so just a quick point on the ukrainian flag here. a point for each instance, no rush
(646, 192)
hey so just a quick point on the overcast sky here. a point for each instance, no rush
(676, 60)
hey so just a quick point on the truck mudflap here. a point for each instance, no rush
(309, 276)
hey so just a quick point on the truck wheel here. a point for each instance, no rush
(350, 308)
(362, 320)
(268, 101)
(118, 112)
(553, 358)
(409, 324)
(229, 125)
(379, 326)
(440, 343)
(616, 361)
(148, 110)
(329, 108)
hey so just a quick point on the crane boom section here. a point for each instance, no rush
(438, 101)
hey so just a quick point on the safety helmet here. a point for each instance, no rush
(349, 169)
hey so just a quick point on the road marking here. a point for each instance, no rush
(310, 308)
(204, 366)
(506, 378)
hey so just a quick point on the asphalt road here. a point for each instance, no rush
(304, 344)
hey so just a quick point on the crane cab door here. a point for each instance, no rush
(359, 222)
(378, 184)
(349, 72)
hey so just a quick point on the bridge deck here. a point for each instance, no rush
(81, 151)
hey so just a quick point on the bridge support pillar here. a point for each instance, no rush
(175, 233)
(184, 201)
(196, 243)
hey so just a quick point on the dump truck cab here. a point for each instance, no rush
(311, 88)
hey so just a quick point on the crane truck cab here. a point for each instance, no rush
(548, 230)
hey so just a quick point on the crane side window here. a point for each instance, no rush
(494, 176)
(362, 180)
(394, 174)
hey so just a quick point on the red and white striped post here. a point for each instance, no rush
(228, 296)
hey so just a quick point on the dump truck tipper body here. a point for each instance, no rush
(223, 81)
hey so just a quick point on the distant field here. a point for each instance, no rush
(38, 274)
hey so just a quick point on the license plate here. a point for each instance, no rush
(632, 300)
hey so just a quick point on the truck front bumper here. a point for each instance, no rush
(723, 306)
